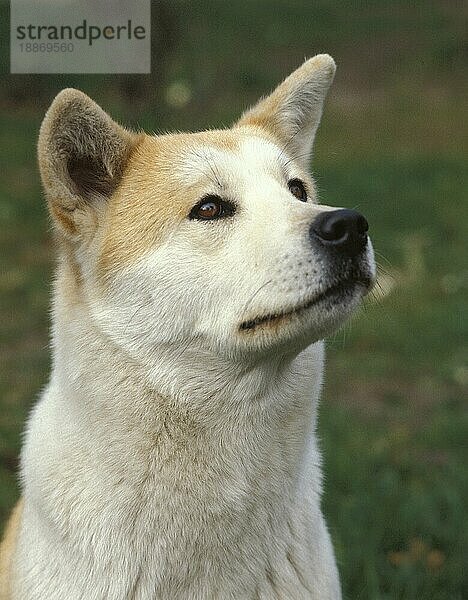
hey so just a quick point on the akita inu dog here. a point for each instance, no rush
(173, 454)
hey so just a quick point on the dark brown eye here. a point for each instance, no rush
(210, 208)
(297, 188)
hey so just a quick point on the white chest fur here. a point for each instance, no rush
(132, 495)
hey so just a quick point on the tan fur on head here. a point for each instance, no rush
(82, 154)
(151, 199)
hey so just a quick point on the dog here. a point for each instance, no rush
(173, 454)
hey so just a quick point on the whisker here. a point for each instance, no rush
(213, 169)
(255, 294)
(383, 270)
(295, 157)
(377, 253)
(213, 178)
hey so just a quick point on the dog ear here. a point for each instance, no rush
(292, 111)
(82, 154)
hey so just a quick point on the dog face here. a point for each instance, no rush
(212, 241)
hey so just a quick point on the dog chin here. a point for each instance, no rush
(313, 319)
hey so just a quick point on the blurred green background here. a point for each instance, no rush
(394, 419)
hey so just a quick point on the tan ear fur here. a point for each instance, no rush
(82, 153)
(292, 112)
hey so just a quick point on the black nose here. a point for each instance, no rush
(345, 230)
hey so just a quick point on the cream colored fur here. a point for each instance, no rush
(173, 454)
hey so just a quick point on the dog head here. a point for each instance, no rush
(212, 241)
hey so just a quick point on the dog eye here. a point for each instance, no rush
(210, 208)
(297, 188)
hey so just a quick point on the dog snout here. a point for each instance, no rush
(343, 230)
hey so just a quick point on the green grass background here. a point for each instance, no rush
(394, 418)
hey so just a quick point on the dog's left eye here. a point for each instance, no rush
(297, 188)
(210, 208)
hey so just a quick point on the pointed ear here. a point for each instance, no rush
(292, 112)
(82, 154)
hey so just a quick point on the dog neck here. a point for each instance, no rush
(194, 457)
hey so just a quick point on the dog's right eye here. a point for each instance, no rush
(297, 188)
(210, 208)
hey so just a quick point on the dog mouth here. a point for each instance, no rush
(340, 289)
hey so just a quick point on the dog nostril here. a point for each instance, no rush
(344, 229)
(332, 229)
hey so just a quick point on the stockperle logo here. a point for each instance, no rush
(70, 36)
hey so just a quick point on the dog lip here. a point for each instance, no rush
(341, 286)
